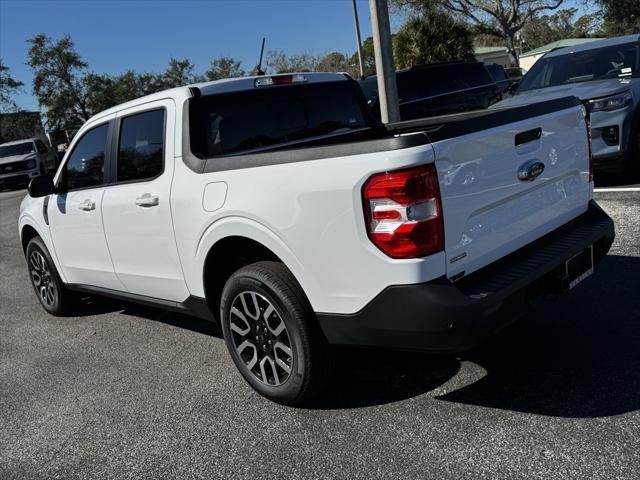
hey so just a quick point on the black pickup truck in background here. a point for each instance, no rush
(438, 89)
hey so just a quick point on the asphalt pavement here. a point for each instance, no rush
(122, 391)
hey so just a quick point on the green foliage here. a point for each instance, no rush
(224, 67)
(58, 81)
(503, 19)
(621, 17)
(545, 29)
(71, 95)
(8, 87)
(280, 62)
(434, 36)
(178, 74)
(333, 62)
(106, 91)
(368, 58)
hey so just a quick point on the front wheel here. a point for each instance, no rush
(272, 334)
(46, 282)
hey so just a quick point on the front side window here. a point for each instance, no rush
(85, 167)
(141, 145)
(42, 148)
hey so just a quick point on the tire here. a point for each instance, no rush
(272, 334)
(46, 282)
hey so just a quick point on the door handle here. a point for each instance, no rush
(528, 136)
(147, 200)
(87, 205)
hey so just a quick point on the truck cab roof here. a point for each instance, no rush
(226, 85)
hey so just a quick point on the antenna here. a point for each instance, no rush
(259, 70)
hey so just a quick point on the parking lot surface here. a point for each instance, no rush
(123, 391)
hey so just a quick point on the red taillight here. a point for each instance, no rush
(403, 212)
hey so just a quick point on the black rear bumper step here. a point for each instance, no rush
(442, 316)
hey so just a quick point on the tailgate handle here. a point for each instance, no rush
(528, 136)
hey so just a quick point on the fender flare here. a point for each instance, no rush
(27, 220)
(236, 226)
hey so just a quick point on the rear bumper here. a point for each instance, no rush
(441, 316)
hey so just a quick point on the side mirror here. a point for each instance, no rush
(513, 88)
(41, 186)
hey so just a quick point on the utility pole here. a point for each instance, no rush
(357, 24)
(385, 68)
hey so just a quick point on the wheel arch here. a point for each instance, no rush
(27, 232)
(234, 242)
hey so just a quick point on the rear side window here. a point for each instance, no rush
(440, 79)
(269, 116)
(85, 167)
(471, 75)
(141, 145)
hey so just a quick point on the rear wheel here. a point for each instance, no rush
(272, 334)
(50, 290)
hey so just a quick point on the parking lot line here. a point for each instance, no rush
(617, 189)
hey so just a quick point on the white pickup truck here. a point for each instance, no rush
(278, 207)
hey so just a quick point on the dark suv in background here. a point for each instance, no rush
(437, 89)
(499, 76)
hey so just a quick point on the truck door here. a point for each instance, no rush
(136, 209)
(75, 214)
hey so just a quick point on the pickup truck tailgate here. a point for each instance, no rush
(508, 178)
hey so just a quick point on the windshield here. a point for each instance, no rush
(16, 149)
(606, 62)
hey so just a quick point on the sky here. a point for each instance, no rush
(117, 35)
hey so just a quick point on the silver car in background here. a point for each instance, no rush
(605, 75)
(22, 160)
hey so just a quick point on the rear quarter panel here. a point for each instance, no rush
(309, 214)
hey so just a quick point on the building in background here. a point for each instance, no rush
(497, 55)
(527, 59)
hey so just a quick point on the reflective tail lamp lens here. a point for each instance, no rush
(403, 212)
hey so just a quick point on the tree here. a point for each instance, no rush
(621, 17)
(432, 36)
(279, 62)
(545, 29)
(500, 18)
(333, 62)
(368, 57)
(8, 87)
(179, 73)
(58, 81)
(105, 91)
(224, 67)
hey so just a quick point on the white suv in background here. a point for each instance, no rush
(22, 160)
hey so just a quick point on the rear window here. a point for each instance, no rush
(254, 120)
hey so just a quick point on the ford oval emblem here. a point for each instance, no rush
(530, 171)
